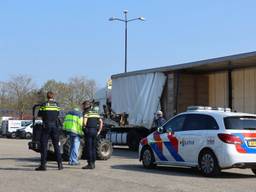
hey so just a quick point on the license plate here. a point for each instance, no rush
(251, 143)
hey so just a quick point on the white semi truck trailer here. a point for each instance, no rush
(135, 99)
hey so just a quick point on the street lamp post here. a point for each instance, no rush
(125, 20)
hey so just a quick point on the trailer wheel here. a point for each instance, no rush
(103, 149)
(133, 140)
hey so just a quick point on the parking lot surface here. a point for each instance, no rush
(123, 172)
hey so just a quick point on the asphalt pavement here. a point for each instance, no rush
(123, 172)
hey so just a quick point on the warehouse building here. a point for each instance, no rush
(221, 82)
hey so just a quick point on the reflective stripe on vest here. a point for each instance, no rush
(91, 114)
(49, 107)
(74, 124)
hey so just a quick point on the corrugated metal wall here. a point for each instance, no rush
(211, 90)
(244, 90)
(186, 92)
(193, 90)
(218, 89)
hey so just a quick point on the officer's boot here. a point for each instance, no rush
(60, 166)
(93, 165)
(41, 168)
(89, 166)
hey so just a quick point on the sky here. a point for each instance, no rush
(60, 39)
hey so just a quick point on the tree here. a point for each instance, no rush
(81, 89)
(19, 89)
(19, 94)
(60, 90)
(73, 93)
(3, 95)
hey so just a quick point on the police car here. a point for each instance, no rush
(211, 139)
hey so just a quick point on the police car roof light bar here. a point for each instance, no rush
(201, 108)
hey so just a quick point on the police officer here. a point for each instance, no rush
(93, 125)
(49, 112)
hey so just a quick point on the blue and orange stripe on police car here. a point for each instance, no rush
(245, 137)
(173, 147)
(157, 144)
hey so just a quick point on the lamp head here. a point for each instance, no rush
(111, 19)
(141, 18)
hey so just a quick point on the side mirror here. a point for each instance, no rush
(160, 129)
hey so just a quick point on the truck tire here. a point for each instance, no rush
(103, 149)
(51, 153)
(133, 140)
(66, 150)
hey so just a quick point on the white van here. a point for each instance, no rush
(3, 122)
(11, 126)
(27, 132)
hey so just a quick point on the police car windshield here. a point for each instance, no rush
(241, 123)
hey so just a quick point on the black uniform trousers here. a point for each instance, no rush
(50, 130)
(90, 138)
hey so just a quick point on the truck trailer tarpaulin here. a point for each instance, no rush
(228, 81)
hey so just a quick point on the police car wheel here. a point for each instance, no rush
(148, 159)
(254, 171)
(208, 164)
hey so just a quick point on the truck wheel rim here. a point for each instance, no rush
(147, 157)
(105, 150)
(207, 163)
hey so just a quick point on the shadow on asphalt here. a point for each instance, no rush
(21, 159)
(15, 169)
(178, 171)
(32, 167)
(21, 167)
(124, 153)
